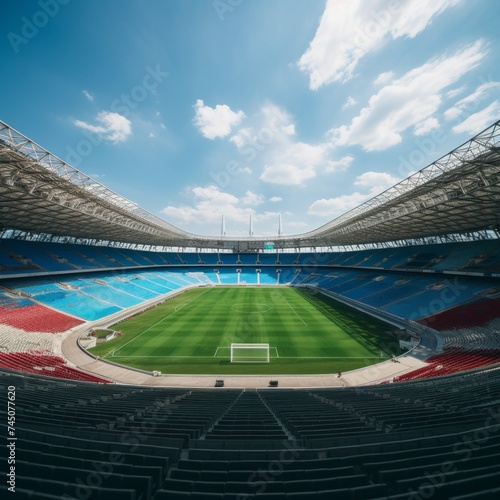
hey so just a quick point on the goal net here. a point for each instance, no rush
(249, 353)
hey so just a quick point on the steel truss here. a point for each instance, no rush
(459, 193)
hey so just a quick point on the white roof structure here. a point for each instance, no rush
(42, 194)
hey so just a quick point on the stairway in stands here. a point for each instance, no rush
(249, 418)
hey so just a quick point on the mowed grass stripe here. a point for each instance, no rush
(183, 334)
(252, 325)
(163, 312)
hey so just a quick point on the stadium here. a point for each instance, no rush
(359, 360)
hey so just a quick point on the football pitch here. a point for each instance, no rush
(192, 333)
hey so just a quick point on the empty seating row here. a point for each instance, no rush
(45, 364)
(151, 443)
(27, 257)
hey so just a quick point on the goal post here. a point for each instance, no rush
(250, 353)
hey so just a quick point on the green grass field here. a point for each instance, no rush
(192, 333)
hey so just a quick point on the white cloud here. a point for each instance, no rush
(452, 113)
(252, 199)
(415, 15)
(471, 102)
(216, 122)
(407, 101)
(426, 126)
(272, 125)
(334, 207)
(383, 78)
(454, 92)
(112, 127)
(477, 122)
(286, 174)
(295, 162)
(209, 203)
(243, 137)
(275, 199)
(278, 120)
(339, 165)
(349, 30)
(270, 139)
(371, 182)
(88, 95)
(376, 182)
(349, 102)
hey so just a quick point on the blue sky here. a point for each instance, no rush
(196, 109)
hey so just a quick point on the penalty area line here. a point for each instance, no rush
(163, 356)
(158, 322)
(329, 357)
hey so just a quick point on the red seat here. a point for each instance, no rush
(45, 364)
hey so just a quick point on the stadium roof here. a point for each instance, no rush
(459, 193)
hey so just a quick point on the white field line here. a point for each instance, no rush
(162, 356)
(298, 315)
(224, 347)
(281, 357)
(152, 326)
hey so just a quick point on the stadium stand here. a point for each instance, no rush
(287, 274)
(386, 441)
(247, 259)
(287, 258)
(268, 276)
(36, 255)
(452, 360)
(94, 255)
(429, 430)
(471, 314)
(12, 263)
(44, 364)
(28, 257)
(24, 314)
(248, 277)
(406, 294)
(209, 258)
